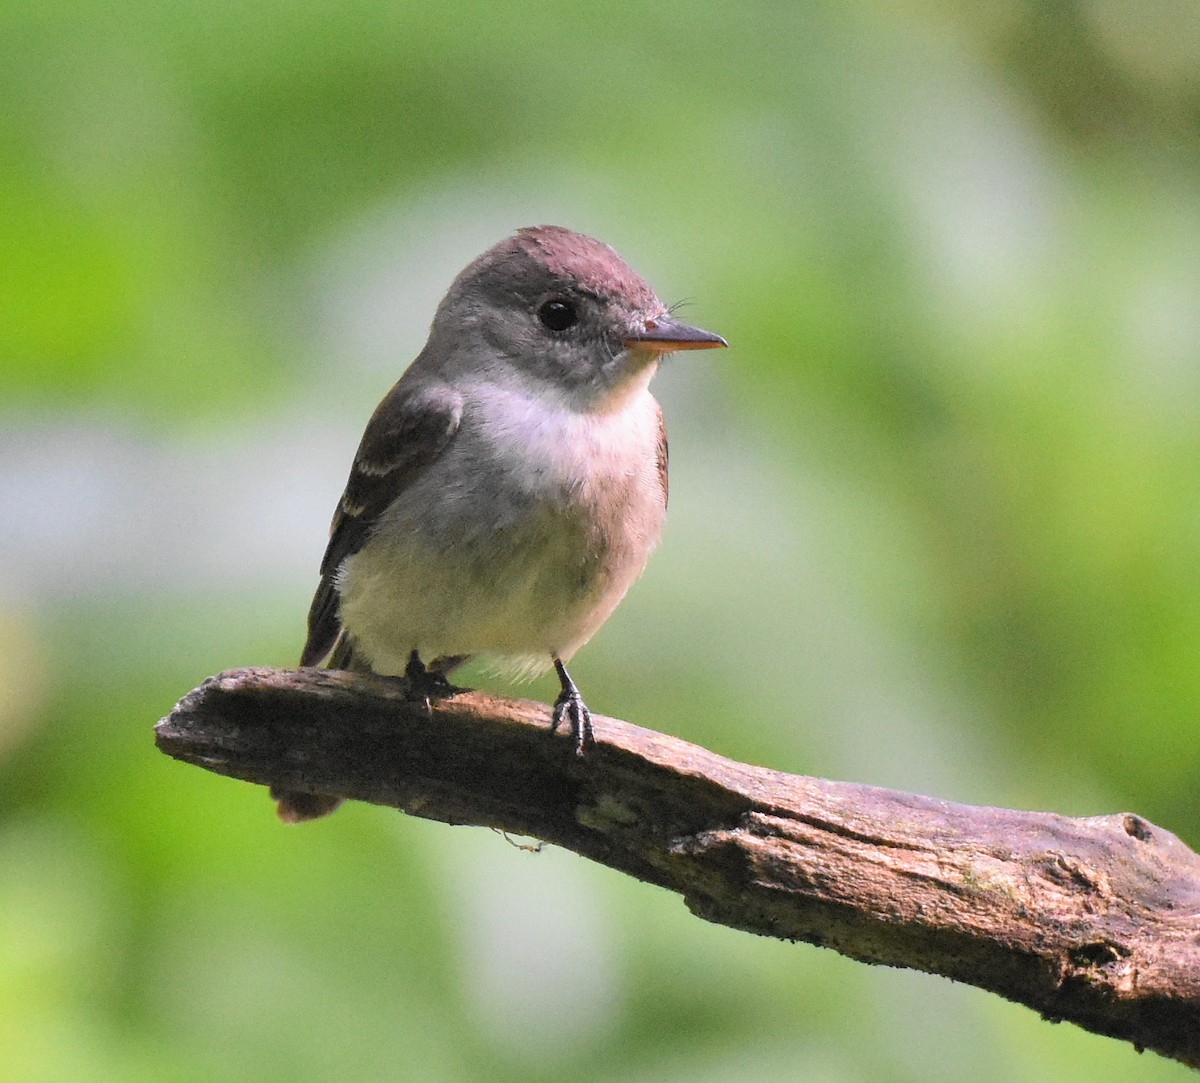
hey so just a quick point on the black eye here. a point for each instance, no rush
(557, 314)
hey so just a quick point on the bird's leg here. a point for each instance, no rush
(570, 706)
(426, 683)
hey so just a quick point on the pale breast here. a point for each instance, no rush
(520, 542)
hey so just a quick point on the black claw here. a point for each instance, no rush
(570, 706)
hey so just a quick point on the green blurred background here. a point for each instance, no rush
(934, 514)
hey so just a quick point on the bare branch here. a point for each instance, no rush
(1095, 921)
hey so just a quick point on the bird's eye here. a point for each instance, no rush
(558, 314)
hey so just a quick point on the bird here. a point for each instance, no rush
(510, 487)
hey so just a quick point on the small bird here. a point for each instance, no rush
(511, 486)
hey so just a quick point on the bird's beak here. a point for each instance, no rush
(667, 335)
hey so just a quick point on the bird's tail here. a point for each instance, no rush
(295, 806)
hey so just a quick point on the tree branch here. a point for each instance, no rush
(1095, 921)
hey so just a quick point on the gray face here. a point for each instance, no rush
(555, 307)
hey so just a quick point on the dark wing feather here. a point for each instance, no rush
(663, 456)
(408, 430)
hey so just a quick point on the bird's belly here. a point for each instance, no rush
(492, 569)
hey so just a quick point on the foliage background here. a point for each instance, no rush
(934, 515)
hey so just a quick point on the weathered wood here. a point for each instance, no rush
(1095, 921)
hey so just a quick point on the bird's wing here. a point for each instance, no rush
(409, 429)
(663, 455)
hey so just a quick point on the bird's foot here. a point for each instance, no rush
(570, 707)
(425, 683)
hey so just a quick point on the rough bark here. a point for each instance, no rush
(1095, 921)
